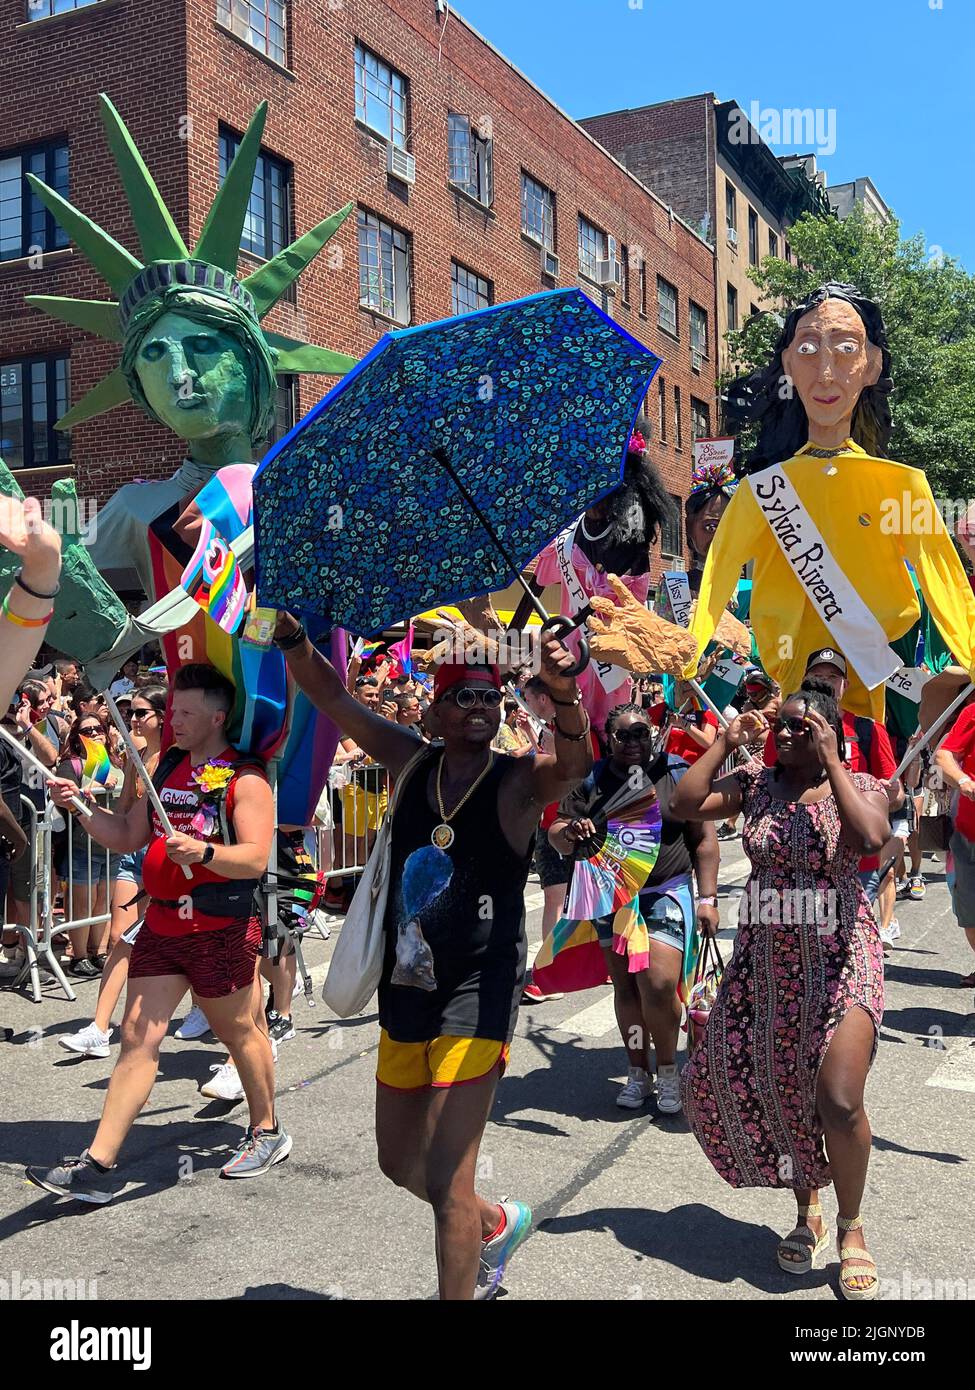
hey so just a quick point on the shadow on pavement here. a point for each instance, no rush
(888, 1146)
(921, 1022)
(697, 1239)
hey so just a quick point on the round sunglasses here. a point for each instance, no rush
(468, 696)
(640, 732)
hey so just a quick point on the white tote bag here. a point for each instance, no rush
(357, 961)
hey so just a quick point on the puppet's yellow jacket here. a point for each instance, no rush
(873, 515)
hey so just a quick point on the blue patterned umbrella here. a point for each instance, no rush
(446, 460)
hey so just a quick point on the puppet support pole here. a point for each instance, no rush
(935, 729)
(27, 756)
(140, 768)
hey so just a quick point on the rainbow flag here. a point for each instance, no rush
(364, 650)
(214, 580)
(97, 764)
(271, 718)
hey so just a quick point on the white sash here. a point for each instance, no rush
(678, 590)
(610, 677)
(853, 628)
(909, 681)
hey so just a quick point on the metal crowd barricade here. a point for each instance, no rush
(358, 808)
(43, 928)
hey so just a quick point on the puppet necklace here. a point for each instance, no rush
(442, 835)
(601, 535)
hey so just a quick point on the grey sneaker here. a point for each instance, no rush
(258, 1151)
(668, 1090)
(78, 1178)
(496, 1252)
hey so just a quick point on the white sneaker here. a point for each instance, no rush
(668, 1090)
(890, 933)
(89, 1042)
(224, 1084)
(194, 1025)
(636, 1090)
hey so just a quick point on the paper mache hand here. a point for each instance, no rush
(88, 616)
(627, 634)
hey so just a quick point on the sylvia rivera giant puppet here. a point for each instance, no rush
(829, 520)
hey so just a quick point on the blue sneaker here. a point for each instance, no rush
(496, 1252)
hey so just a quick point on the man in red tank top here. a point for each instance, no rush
(201, 931)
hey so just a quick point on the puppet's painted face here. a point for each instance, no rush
(702, 525)
(831, 361)
(196, 378)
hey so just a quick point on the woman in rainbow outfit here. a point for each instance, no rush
(632, 890)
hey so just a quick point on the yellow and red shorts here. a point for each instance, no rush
(444, 1061)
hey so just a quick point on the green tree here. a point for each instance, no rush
(928, 303)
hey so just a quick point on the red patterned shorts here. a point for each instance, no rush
(216, 963)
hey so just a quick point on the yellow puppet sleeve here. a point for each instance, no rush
(943, 581)
(735, 542)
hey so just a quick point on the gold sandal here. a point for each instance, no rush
(804, 1241)
(857, 1260)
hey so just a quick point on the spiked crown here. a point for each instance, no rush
(168, 263)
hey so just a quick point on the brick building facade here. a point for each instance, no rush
(487, 194)
(706, 158)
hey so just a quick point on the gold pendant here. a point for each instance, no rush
(442, 837)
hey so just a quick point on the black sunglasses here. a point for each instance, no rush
(142, 713)
(642, 732)
(793, 723)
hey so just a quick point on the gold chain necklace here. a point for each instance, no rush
(442, 835)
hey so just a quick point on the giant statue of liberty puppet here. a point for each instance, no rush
(194, 357)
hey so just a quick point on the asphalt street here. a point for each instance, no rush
(626, 1205)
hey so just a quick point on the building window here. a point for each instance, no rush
(662, 409)
(732, 307)
(261, 23)
(773, 244)
(788, 253)
(384, 268)
(678, 427)
(752, 237)
(34, 393)
(537, 212)
(471, 160)
(468, 291)
(666, 306)
(671, 537)
(380, 96)
(26, 226)
(754, 311)
(43, 9)
(700, 419)
(625, 263)
(267, 225)
(284, 409)
(731, 210)
(643, 288)
(592, 248)
(699, 329)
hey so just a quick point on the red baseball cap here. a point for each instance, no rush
(454, 672)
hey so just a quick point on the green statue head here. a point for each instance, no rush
(194, 354)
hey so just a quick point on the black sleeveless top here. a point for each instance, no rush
(475, 926)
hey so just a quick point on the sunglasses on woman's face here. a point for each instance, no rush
(641, 733)
(468, 696)
(141, 713)
(92, 731)
(796, 725)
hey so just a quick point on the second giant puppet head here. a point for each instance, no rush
(617, 532)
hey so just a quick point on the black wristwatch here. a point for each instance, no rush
(208, 854)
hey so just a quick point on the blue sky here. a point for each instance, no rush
(895, 73)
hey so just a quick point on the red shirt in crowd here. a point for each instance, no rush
(883, 764)
(162, 878)
(960, 743)
(679, 741)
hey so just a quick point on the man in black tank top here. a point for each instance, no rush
(462, 840)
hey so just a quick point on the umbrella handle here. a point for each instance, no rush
(560, 626)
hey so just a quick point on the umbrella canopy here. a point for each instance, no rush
(451, 455)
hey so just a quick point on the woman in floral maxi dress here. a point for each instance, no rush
(795, 1024)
